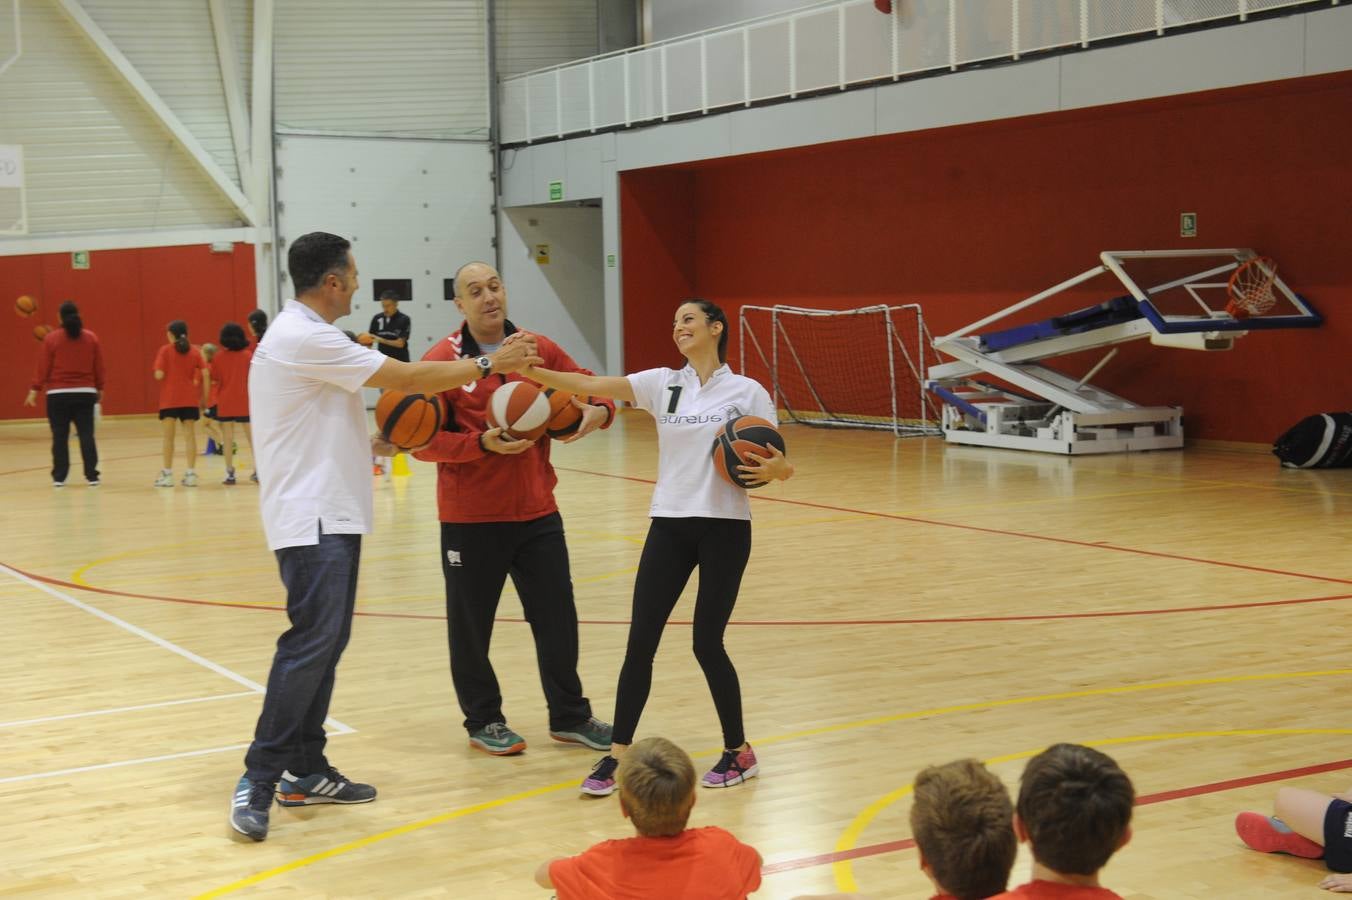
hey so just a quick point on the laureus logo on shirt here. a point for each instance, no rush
(730, 411)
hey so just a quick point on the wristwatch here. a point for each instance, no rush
(485, 366)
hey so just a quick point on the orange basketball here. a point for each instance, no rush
(520, 409)
(25, 306)
(41, 331)
(409, 420)
(740, 438)
(564, 417)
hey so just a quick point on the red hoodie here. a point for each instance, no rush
(475, 485)
(65, 362)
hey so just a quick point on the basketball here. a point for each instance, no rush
(40, 332)
(564, 417)
(25, 306)
(409, 420)
(520, 409)
(740, 438)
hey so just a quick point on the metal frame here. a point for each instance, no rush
(893, 340)
(946, 22)
(1055, 413)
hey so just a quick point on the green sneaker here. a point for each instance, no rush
(497, 739)
(591, 732)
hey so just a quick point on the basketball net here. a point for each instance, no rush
(1250, 288)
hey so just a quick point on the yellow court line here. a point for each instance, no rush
(843, 870)
(777, 739)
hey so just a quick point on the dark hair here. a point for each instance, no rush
(179, 329)
(390, 294)
(70, 318)
(1075, 804)
(351, 335)
(232, 336)
(314, 255)
(714, 313)
(258, 321)
(962, 820)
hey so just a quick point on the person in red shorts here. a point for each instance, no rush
(185, 386)
(1307, 824)
(230, 372)
(1074, 811)
(657, 791)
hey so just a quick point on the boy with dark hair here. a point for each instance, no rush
(1074, 810)
(962, 820)
(1308, 824)
(657, 791)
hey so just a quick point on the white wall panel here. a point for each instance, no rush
(173, 48)
(414, 209)
(395, 67)
(565, 298)
(673, 18)
(1328, 41)
(532, 34)
(241, 32)
(96, 158)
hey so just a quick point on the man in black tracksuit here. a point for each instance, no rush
(389, 329)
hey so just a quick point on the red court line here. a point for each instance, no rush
(761, 623)
(1214, 787)
(48, 468)
(1095, 545)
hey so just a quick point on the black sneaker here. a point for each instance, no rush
(249, 811)
(322, 787)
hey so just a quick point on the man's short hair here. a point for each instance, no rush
(455, 279)
(657, 781)
(1075, 804)
(963, 823)
(314, 255)
(390, 294)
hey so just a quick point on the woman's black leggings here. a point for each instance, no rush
(720, 548)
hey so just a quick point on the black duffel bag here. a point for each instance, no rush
(1318, 442)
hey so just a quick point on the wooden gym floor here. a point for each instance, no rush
(907, 603)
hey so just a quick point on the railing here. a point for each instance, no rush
(828, 46)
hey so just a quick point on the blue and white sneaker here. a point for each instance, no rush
(322, 787)
(250, 807)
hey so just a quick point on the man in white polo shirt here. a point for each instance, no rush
(313, 454)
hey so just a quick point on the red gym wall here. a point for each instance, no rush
(969, 219)
(126, 297)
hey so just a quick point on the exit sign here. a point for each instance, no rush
(79, 259)
(555, 191)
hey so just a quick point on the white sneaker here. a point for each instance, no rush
(190, 478)
(166, 478)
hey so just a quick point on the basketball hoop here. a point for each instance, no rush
(1250, 288)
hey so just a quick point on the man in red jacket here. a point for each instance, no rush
(495, 498)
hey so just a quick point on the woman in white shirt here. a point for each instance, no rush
(698, 520)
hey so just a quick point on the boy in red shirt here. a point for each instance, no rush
(666, 861)
(1074, 810)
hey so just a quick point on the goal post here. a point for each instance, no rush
(842, 368)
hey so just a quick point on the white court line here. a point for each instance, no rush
(121, 709)
(338, 727)
(126, 762)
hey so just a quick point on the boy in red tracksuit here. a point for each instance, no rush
(495, 498)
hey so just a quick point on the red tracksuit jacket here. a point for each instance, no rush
(474, 485)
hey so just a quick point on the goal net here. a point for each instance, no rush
(842, 368)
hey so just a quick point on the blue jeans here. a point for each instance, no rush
(321, 593)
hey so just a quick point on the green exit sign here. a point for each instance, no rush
(555, 191)
(610, 260)
(79, 259)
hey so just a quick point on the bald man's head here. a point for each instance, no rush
(482, 299)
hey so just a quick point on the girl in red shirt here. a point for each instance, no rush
(70, 370)
(209, 423)
(230, 370)
(184, 386)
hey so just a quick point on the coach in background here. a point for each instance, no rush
(389, 329)
(312, 450)
(70, 370)
(495, 497)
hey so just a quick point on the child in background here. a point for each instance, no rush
(657, 790)
(184, 387)
(230, 371)
(1308, 824)
(209, 424)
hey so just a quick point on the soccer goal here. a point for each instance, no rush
(842, 368)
